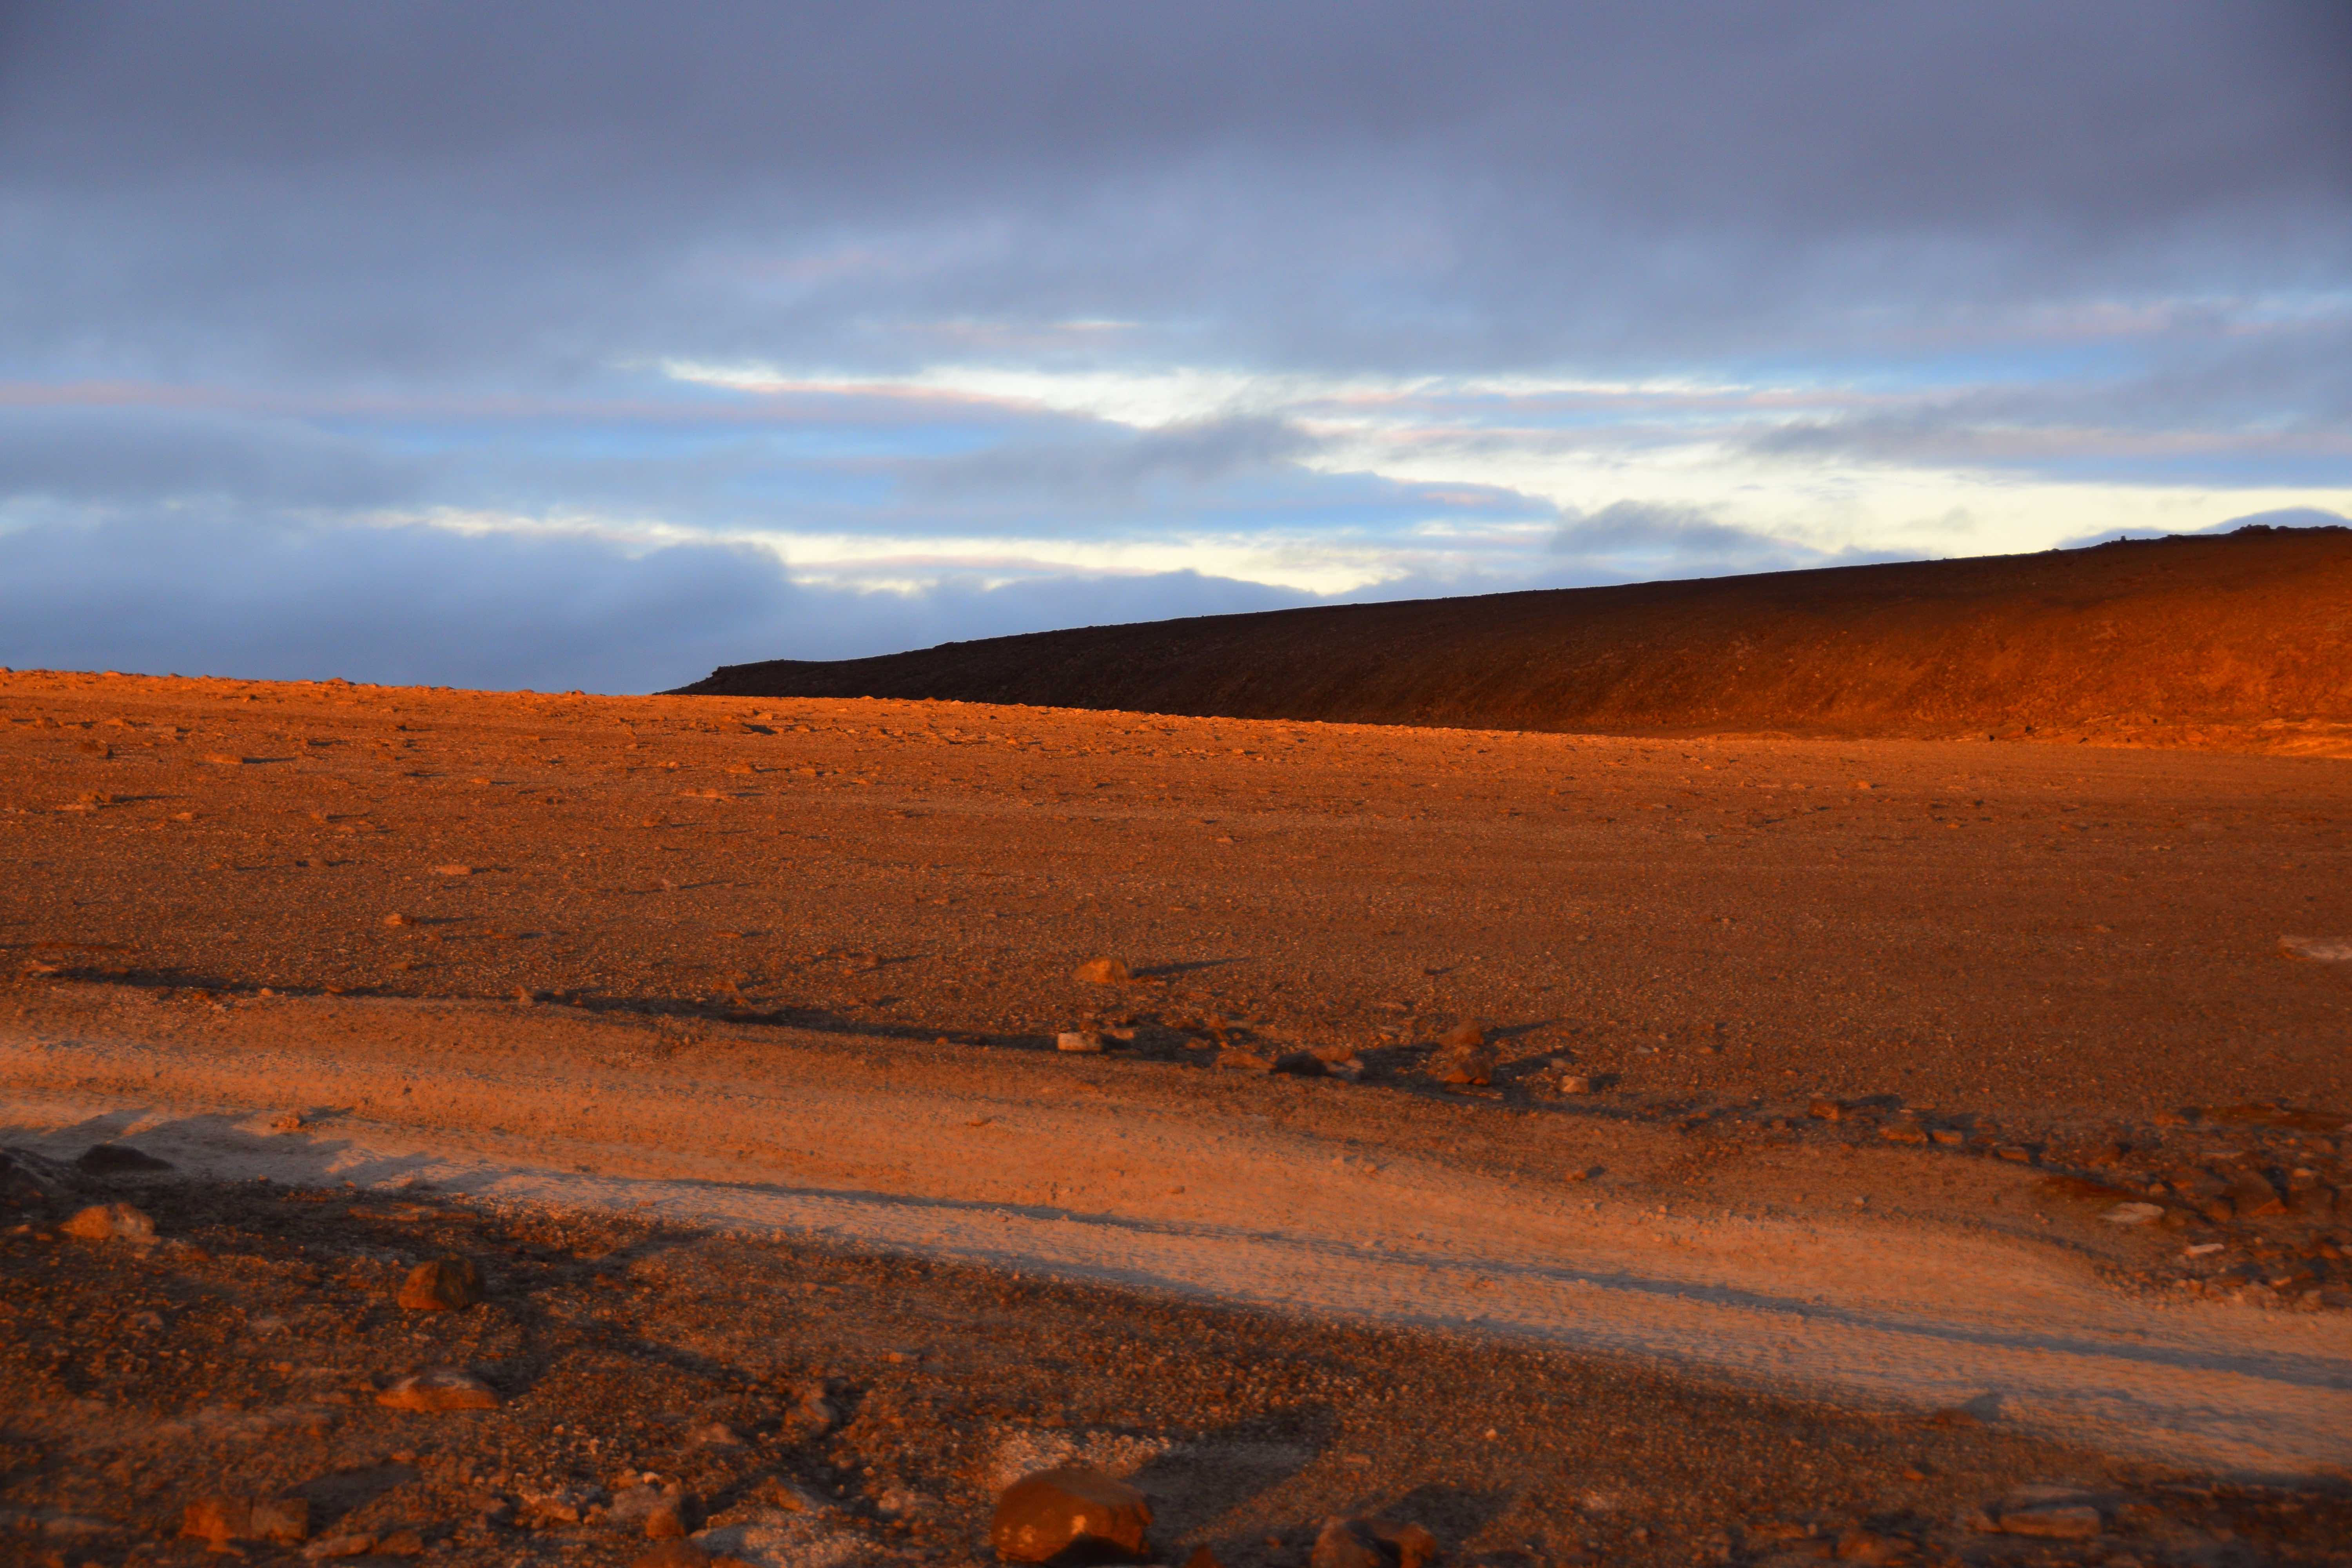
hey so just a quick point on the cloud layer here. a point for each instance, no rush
(609, 341)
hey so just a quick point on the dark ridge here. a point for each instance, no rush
(2242, 629)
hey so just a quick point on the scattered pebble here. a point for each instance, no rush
(445, 1389)
(2133, 1214)
(1078, 1040)
(111, 1221)
(1075, 1510)
(2051, 1520)
(662, 1512)
(221, 1519)
(1104, 972)
(349, 1543)
(814, 1413)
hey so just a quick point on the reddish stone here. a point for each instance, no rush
(443, 1285)
(1074, 1510)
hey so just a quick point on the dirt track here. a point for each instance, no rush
(1312, 1195)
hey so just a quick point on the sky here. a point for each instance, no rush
(592, 345)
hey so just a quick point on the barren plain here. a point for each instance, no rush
(1591, 1148)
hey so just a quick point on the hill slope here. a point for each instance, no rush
(2243, 638)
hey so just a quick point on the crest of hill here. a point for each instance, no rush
(2240, 640)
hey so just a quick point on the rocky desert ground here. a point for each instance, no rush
(509, 1127)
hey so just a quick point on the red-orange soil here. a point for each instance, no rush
(2239, 641)
(721, 1031)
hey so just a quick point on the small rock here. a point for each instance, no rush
(813, 1414)
(1339, 1544)
(2133, 1214)
(778, 1492)
(1301, 1064)
(1202, 1558)
(1074, 1508)
(1462, 1035)
(897, 1502)
(674, 1554)
(1463, 1060)
(114, 1158)
(1904, 1132)
(1104, 972)
(2054, 1522)
(285, 1520)
(400, 1544)
(218, 1520)
(443, 1285)
(354, 1543)
(662, 1512)
(1577, 1083)
(1827, 1110)
(452, 870)
(111, 1221)
(562, 1505)
(1865, 1547)
(395, 920)
(221, 1519)
(445, 1389)
(714, 1435)
(1371, 1543)
(287, 1121)
(1078, 1040)
(1243, 1061)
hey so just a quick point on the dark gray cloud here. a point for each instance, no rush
(1090, 464)
(138, 456)
(425, 189)
(2219, 402)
